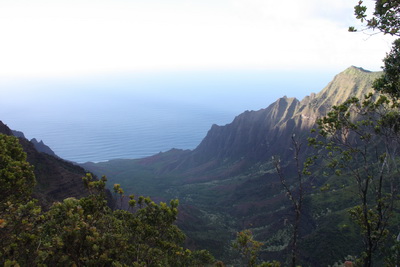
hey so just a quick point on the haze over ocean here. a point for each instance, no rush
(137, 115)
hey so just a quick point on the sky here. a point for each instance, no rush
(63, 38)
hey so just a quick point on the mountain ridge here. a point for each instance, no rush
(257, 135)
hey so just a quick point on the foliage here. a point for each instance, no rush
(249, 250)
(16, 175)
(72, 234)
(86, 231)
(19, 214)
(389, 83)
(393, 254)
(385, 17)
(247, 247)
(20, 232)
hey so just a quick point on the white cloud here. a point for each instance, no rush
(77, 37)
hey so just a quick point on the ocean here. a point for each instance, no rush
(134, 115)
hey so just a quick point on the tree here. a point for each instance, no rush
(385, 17)
(389, 83)
(20, 215)
(83, 232)
(86, 232)
(16, 174)
(362, 141)
(249, 249)
(295, 192)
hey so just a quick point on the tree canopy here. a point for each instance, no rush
(384, 18)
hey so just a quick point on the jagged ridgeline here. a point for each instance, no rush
(228, 182)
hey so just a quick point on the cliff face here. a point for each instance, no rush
(258, 135)
(56, 179)
(252, 134)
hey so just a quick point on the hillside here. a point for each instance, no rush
(56, 179)
(228, 182)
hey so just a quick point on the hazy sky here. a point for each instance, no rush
(69, 37)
